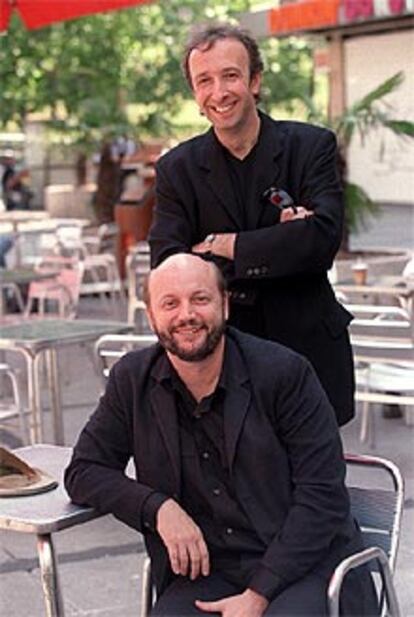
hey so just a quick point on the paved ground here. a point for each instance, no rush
(100, 561)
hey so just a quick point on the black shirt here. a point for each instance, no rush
(207, 493)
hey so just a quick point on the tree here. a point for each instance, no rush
(116, 73)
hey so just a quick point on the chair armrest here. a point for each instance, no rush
(147, 589)
(354, 561)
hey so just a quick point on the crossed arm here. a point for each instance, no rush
(223, 244)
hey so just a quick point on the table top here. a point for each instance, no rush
(24, 275)
(396, 285)
(13, 216)
(46, 512)
(38, 334)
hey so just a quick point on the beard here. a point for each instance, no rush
(198, 352)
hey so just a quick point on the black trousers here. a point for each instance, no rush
(305, 598)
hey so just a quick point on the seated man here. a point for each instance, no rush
(239, 487)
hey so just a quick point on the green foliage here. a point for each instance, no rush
(359, 207)
(85, 73)
(368, 114)
(88, 74)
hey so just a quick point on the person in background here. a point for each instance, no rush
(239, 472)
(6, 243)
(262, 199)
(14, 183)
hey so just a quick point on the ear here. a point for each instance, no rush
(226, 305)
(255, 84)
(150, 317)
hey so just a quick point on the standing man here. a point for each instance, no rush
(239, 487)
(262, 198)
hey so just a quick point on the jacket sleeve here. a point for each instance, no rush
(307, 245)
(174, 226)
(318, 518)
(96, 474)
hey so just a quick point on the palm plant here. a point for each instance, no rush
(368, 114)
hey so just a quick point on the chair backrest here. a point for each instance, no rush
(60, 293)
(381, 334)
(376, 490)
(110, 347)
(137, 268)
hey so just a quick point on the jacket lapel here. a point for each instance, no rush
(267, 168)
(213, 163)
(237, 399)
(166, 416)
(266, 172)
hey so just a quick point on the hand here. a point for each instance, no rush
(221, 245)
(185, 544)
(289, 214)
(247, 604)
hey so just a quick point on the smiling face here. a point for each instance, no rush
(187, 310)
(223, 87)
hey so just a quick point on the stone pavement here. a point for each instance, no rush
(100, 561)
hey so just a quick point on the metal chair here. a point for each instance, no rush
(12, 408)
(137, 268)
(110, 347)
(378, 509)
(383, 346)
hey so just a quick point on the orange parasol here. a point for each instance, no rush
(38, 13)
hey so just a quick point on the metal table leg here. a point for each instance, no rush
(55, 397)
(49, 575)
(36, 429)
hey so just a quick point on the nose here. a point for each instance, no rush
(219, 88)
(186, 310)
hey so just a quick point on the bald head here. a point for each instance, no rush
(187, 306)
(183, 267)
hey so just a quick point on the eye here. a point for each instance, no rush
(201, 299)
(202, 81)
(231, 75)
(168, 304)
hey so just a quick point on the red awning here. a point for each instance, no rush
(38, 13)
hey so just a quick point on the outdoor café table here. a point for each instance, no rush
(43, 514)
(386, 287)
(31, 338)
(13, 277)
(15, 218)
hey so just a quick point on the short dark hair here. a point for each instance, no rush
(206, 36)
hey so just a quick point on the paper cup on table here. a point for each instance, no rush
(360, 272)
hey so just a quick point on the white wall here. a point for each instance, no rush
(384, 165)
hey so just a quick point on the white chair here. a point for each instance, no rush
(110, 347)
(11, 406)
(100, 269)
(383, 346)
(137, 268)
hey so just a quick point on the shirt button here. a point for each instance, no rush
(256, 271)
(216, 492)
(249, 271)
(229, 531)
(205, 456)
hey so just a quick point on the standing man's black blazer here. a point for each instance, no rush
(283, 448)
(278, 281)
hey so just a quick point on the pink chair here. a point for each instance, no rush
(59, 295)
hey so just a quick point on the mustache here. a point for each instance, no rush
(188, 323)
